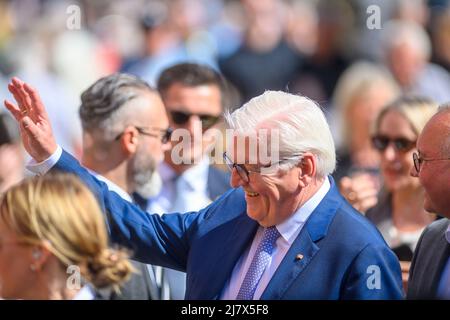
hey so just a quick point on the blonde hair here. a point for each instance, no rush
(61, 211)
(416, 110)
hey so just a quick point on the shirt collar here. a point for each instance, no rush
(86, 293)
(112, 186)
(288, 228)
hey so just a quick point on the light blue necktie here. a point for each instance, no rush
(258, 264)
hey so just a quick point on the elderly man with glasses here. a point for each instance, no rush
(283, 232)
(429, 276)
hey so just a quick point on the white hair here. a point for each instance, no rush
(399, 32)
(301, 123)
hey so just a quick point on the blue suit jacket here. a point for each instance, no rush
(344, 256)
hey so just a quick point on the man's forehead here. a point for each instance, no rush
(433, 136)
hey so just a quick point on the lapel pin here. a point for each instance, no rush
(298, 257)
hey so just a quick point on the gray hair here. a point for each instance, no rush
(399, 32)
(301, 123)
(417, 110)
(103, 103)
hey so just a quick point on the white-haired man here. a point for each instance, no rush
(284, 232)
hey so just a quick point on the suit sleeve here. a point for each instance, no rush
(374, 274)
(153, 239)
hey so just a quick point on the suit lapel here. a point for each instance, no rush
(305, 246)
(291, 267)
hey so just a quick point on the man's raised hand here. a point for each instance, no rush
(30, 113)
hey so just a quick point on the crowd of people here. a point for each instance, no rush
(237, 150)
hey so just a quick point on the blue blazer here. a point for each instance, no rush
(344, 256)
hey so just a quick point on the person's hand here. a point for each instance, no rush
(30, 113)
(360, 191)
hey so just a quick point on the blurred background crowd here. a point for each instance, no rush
(327, 50)
(334, 52)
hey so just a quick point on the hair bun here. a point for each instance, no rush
(110, 268)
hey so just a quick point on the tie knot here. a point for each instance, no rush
(270, 235)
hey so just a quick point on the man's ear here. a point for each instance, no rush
(129, 140)
(308, 167)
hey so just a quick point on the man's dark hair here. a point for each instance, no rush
(106, 96)
(191, 75)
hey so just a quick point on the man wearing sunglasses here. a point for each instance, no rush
(283, 232)
(429, 276)
(193, 96)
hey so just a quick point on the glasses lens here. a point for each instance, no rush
(180, 117)
(228, 161)
(242, 172)
(416, 161)
(167, 135)
(402, 144)
(231, 165)
(208, 121)
(380, 143)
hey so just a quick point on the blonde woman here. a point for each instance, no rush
(399, 213)
(53, 240)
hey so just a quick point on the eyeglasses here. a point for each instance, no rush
(181, 118)
(164, 134)
(381, 143)
(244, 172)
(418, 160)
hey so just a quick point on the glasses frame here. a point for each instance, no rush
(164, 135)
(418, 160)
(244, 173)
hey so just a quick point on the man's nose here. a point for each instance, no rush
(193, 124)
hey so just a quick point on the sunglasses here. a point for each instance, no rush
(181, 118)
(381, 142)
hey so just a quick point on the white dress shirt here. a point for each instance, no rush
(86, 293)
(289, 231)
(182, 193)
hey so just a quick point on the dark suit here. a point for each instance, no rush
(430, 257)
(343, 256)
